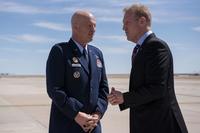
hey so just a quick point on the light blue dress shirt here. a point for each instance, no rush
(143, 37)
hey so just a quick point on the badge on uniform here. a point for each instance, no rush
(76, 65)
(75, 60)
(76, 74)
(99, 64)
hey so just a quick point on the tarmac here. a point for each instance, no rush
(25, 105)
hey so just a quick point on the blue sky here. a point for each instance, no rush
(29, 28)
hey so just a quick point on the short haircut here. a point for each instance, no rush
(139, 10)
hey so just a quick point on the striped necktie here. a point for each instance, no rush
(135, 51)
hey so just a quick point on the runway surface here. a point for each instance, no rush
(25, 105)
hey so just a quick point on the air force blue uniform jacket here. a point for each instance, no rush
(75, 86)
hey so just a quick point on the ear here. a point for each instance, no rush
(76, 27)
(142, 21)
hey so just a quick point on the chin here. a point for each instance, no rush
(128, 38)
(89, 40)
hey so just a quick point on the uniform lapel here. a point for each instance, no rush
(84, 63)
(93, 74)
(93, 60)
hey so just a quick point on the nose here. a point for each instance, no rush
(93, 29)
(123, 27)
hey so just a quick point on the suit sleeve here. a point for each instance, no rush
(102, 102)
(55, 80)
(157, 62)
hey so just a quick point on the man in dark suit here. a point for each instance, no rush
(76, 80)
(151, 97)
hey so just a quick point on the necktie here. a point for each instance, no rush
(85, 55)
(135, 51)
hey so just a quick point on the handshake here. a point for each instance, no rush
(86, 121)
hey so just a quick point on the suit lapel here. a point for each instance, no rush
(136, 58)
(137, 55)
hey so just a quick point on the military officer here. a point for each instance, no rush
(76, 80)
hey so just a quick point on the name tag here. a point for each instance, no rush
(76, 65)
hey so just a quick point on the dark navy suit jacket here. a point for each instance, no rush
(74, 86)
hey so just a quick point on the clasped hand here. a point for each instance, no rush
(86, 121)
